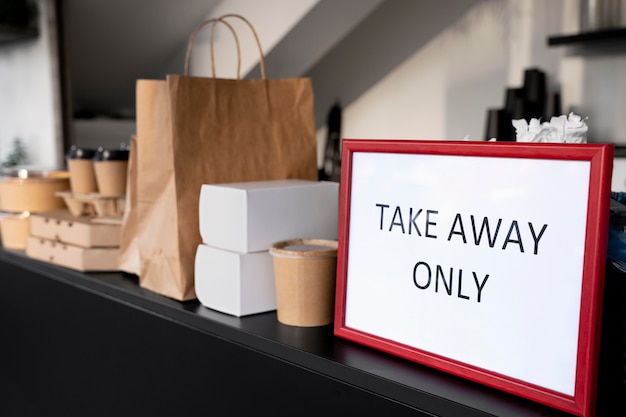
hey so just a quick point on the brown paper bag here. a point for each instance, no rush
(193, 131)
(128, 260)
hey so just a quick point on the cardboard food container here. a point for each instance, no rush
(93, 204)
(14, 229)
(71, 256)
(234, 283)
(304, 273)
(86, 232)
(251, 216)
(33, 191)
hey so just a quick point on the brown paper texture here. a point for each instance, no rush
(129, 250)
(193, 131)
(305, 290)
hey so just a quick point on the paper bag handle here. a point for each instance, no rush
(221, 19)
(256, 38)
(192, 38)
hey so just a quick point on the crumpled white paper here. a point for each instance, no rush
(562, 129)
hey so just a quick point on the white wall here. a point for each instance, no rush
(27, 95)
(444, 89)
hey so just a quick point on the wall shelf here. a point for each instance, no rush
(605, 35)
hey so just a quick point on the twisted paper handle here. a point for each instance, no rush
(222, 20)
(192, 38)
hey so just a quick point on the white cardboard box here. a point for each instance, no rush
(81, 231)
(234, 283)
(73, 257)
(251, 216)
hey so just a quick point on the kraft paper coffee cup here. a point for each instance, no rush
(304, 274)
(80, 167)
(111, 167)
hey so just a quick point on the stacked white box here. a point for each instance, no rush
(234, 283)
(250, 217)
(239, 222)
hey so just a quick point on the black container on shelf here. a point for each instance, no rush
(498, 125)
(514, 102)
(535, 93)
(531, 101)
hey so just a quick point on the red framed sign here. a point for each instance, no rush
(485, 260)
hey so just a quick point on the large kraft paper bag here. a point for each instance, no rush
(193, 131)
(128, 260)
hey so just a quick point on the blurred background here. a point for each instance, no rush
(400, 69)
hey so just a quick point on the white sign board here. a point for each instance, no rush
(468, 258)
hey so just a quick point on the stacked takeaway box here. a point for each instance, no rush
(86, 234)
(81, 243)
(239, 223)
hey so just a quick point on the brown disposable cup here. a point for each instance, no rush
(111, 168)
(111, 177)
(304, 274)
(80, 167)
(82, 176)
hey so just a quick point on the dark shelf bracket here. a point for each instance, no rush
(614, 34)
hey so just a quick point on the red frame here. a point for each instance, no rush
(601, 159)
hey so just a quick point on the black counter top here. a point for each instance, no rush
(313, 349)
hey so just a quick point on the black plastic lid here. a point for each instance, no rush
(80, 153)
(111, 155)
